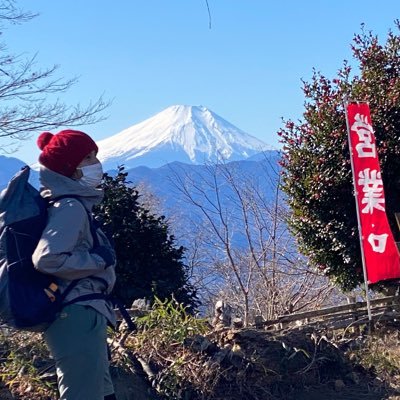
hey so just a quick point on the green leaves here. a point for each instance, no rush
(316, 161)
(170, 322)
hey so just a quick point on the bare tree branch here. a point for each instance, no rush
(27, 93)
(262, 273)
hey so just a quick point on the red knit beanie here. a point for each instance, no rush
(64, 151)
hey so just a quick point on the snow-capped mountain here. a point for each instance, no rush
(9, 166)
(188, 134)
(191, 135)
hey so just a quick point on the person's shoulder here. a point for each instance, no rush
(68, 204)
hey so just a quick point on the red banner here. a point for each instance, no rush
(381, 256)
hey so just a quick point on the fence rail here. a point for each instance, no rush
(338, 317)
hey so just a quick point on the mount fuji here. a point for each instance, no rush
(187, 134)
(191, 135)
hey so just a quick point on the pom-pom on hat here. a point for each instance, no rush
(64, 151)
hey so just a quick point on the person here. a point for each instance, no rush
(67, 250)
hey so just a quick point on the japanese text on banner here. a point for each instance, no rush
(381, 256)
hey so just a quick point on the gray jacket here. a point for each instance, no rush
(64, 248)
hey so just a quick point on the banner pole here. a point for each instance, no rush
(358, 216)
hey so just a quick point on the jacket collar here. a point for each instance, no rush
(54, 185)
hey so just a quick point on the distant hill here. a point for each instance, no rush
(168, 183)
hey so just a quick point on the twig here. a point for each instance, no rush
(209, 15)
(132, 358)
(146, 368)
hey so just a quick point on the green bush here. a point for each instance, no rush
(316, 167)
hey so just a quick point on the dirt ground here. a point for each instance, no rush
(252, 364)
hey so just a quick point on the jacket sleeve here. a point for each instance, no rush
(61, 251)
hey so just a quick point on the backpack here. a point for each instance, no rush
(29, 300)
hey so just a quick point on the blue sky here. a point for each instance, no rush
(148, 55)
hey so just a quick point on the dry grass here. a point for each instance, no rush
(24, 368)
(226, 364)
(379, 354)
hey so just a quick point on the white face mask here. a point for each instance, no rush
(92, 175)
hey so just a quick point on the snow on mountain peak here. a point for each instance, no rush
(190, 134)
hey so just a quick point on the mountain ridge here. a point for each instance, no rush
(189, 134)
